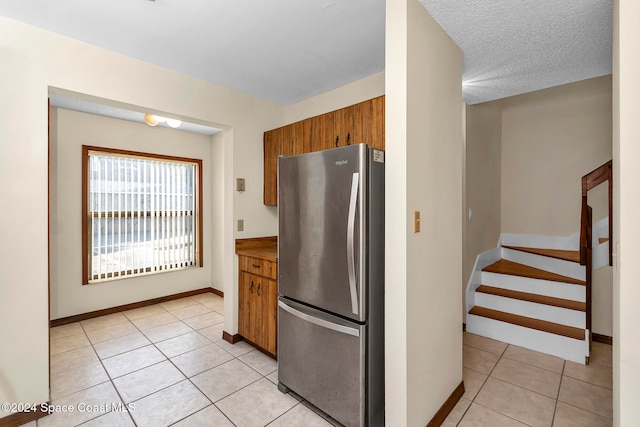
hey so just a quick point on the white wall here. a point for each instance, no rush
(424, 173)
(626, 181)
(73, 129)
(35, 60)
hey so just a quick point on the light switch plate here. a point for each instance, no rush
(240, 184)
(241, 225)
(416, 221)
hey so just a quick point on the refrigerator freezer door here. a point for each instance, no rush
(322, 230)
(321, 357)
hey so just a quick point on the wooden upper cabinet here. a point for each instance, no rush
(298, 143)
(272, 147)
(356, 124)
(377, 125)
(321, 132)
(343, 122)
(363, 123)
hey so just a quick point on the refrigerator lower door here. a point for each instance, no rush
(321, 358)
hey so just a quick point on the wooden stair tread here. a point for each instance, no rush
(601, 240)
(528, 322)
(566, 255)
(504, 266)
(536, 298)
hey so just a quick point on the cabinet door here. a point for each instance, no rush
(272, 148)
(270, 311)
(378, 122)
(343, 126)
(321, 135)
(306, 136)
(363, 123)
(244, 298)
(256, 310)
(293, 140)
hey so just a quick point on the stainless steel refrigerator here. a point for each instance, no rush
(331, 281)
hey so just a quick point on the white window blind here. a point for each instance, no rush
(143, 215)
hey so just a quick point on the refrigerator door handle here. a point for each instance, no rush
(351, 262)
(320, 322)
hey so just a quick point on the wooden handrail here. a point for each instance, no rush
(589, 181)
(589, 266)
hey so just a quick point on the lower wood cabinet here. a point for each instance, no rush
(258, 302)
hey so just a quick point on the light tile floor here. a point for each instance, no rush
(507, 385)
(167, 363)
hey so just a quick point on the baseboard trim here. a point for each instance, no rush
(447, 406)
(125, 307)
(20, 418)
(604, 339)
(231, 339)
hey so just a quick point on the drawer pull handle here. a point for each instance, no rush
(255, 265)
(251, 287)
(259, 289)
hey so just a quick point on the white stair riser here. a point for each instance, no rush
(567, 243)
(560, 315)
(600, 255)
(483, 260)
(535, 286)
(557, 266)
(544, 342)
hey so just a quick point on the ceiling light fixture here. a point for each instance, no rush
(150, 119)
(153, 120)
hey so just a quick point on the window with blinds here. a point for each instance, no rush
(142, 213)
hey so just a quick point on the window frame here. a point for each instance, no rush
(87, 216)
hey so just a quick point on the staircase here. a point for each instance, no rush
(535, 291)
(533, 298)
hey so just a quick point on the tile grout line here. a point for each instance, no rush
(483, 383)
(563, 375)
(111, 379)
(501, 356)
(109, 375)
(195, 385)
(166, 359)
(187, 378)
(555, 407)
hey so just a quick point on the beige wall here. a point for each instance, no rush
(73, 129)
(503, 155)
(361, 90)
(35, 60)
(482, 182)
(423, 270)
(626, 154)
(550, 139)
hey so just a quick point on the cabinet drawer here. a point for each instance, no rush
(258, 266)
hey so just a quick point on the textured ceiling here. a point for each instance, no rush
(517, 46)
(289, 50)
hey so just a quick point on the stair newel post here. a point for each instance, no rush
(610, 179)
(583, 224)
(589, 268)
